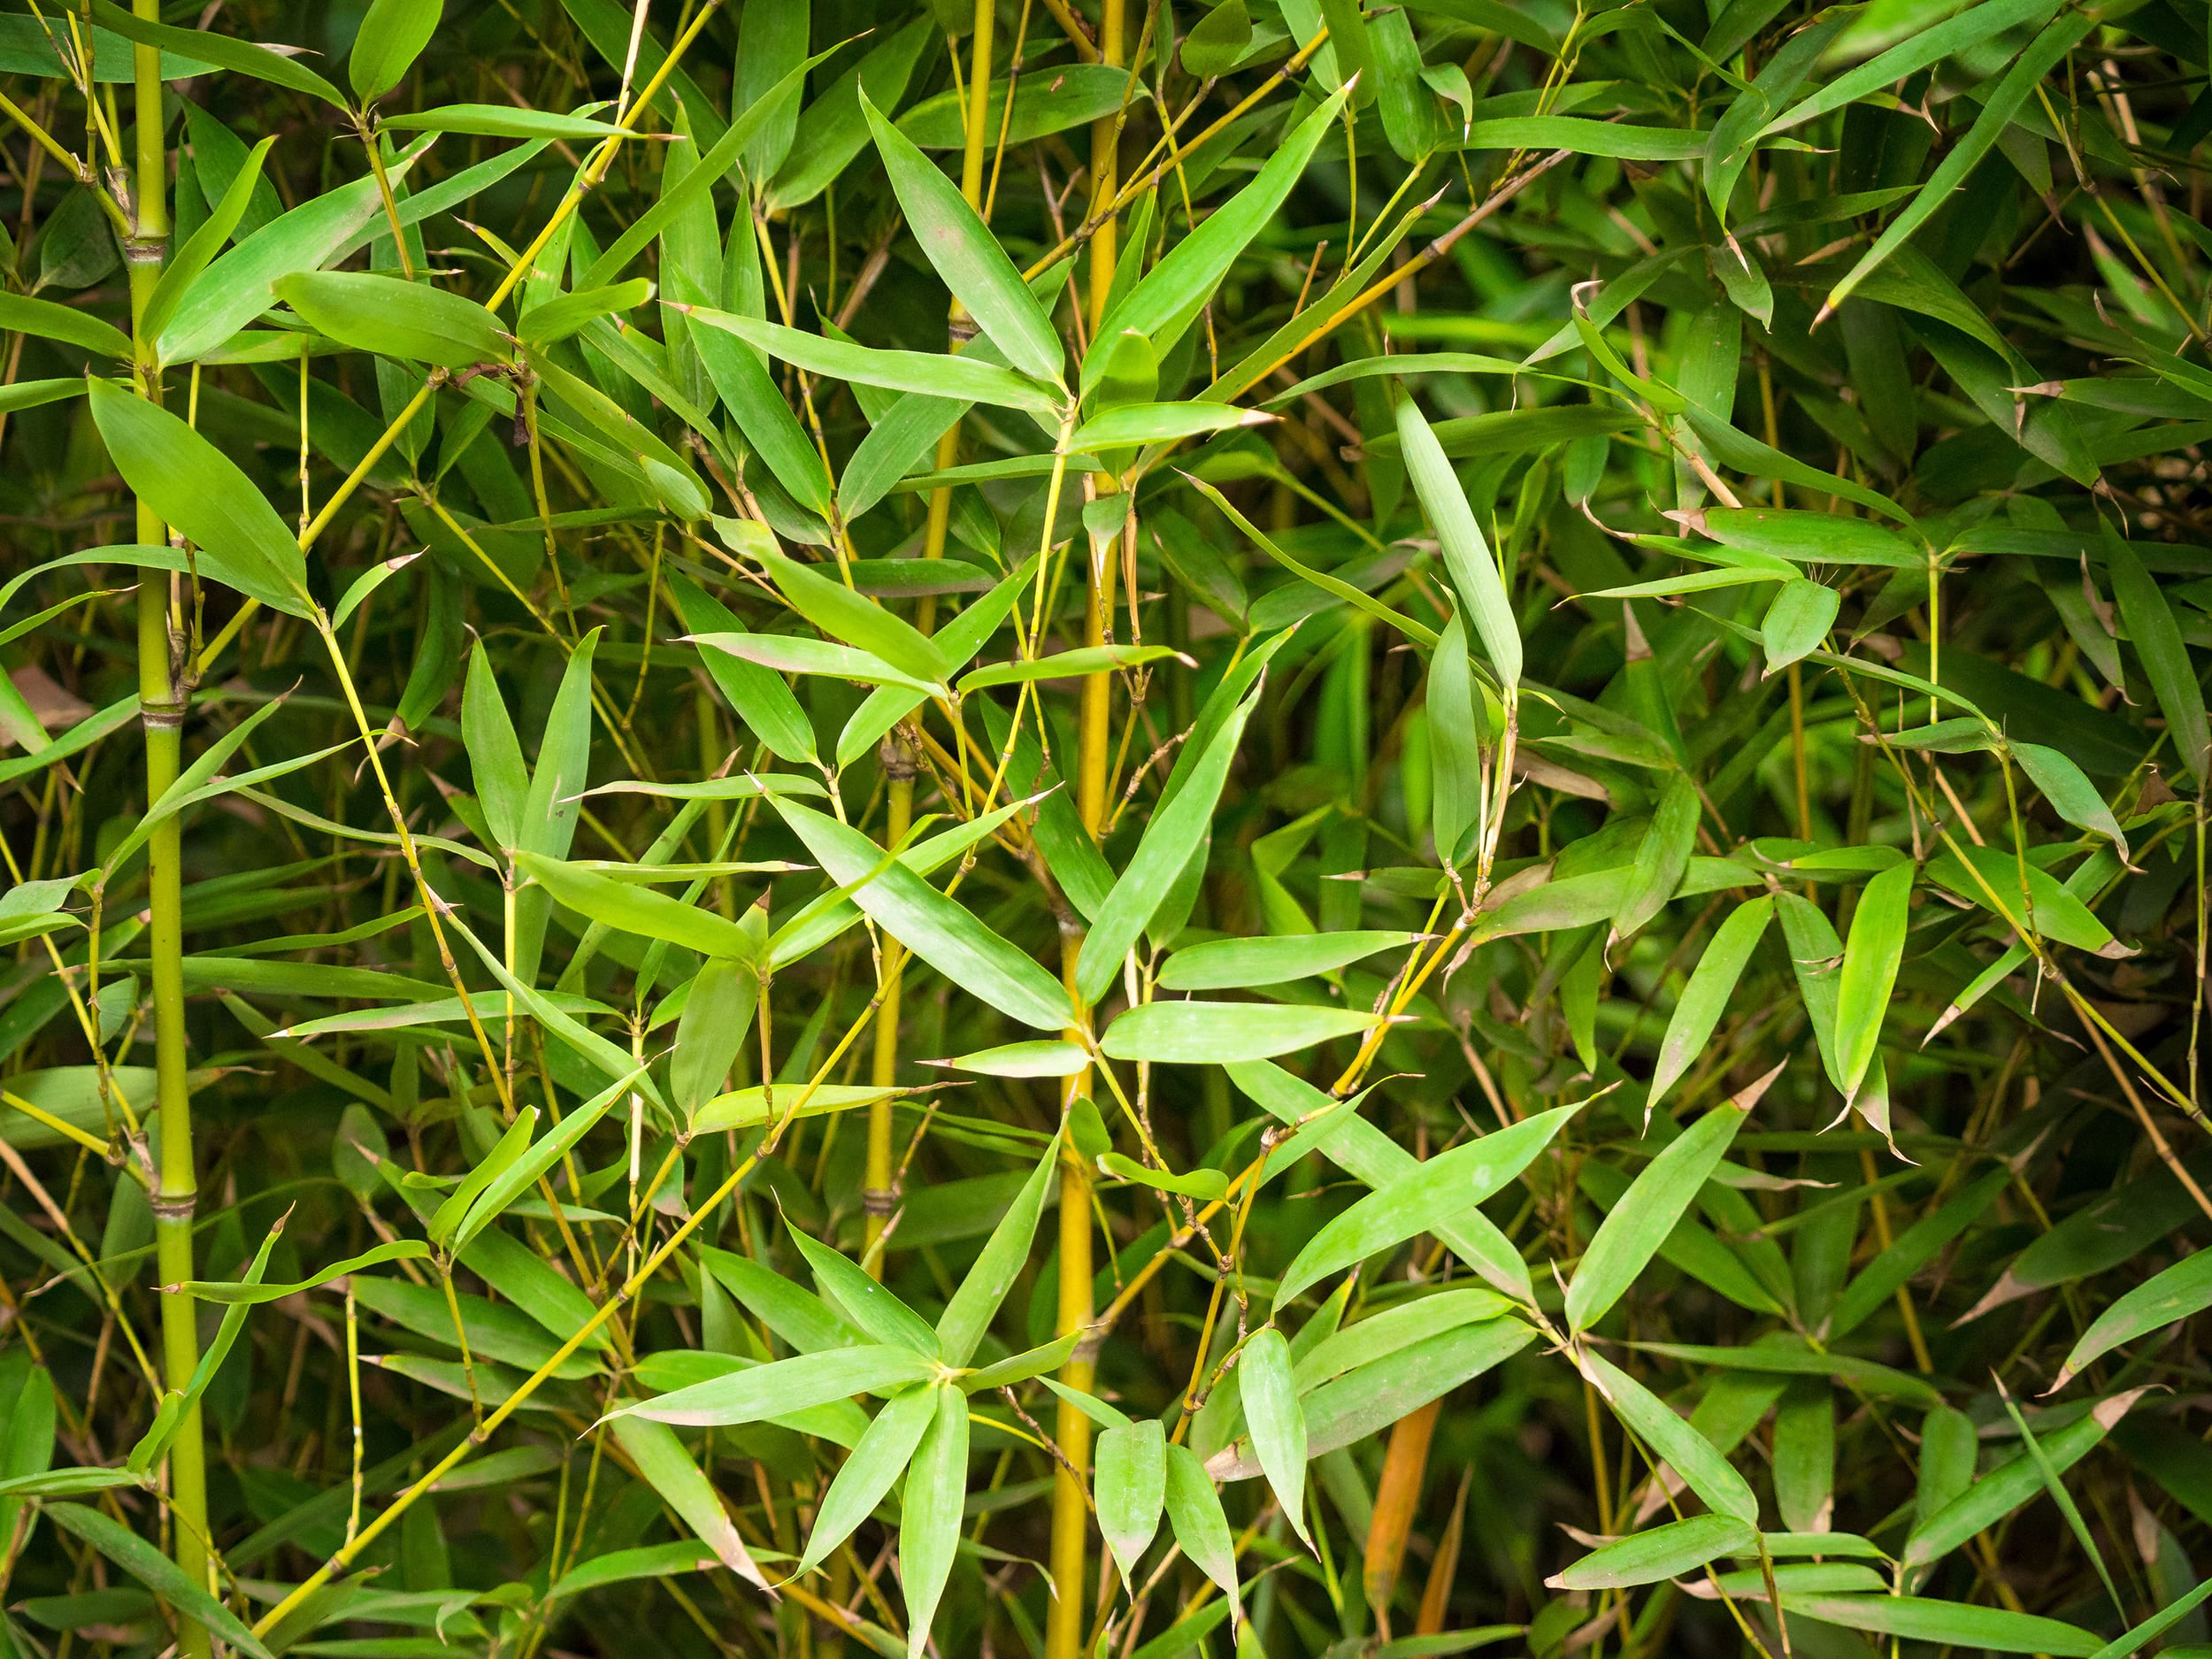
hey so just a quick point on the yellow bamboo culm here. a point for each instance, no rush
(1071, 1516)
(899, 760)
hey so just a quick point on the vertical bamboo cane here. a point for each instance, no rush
(898, 756)
(1071, 1519)
(161, 694)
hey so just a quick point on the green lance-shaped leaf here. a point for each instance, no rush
(1227, 965)
(973, 262)
(966, 378)
(1455, 743)
(204, 244)
(1673, 1439)
(747, 1108)
(549, 811)
(1168, 297)
(205, 46)
(1335, 1129)
(1948, 1623)
(192, 783)
(969, 1314)
(1438, 1190)
(804, 654)
(170, 1416)
(550, 321)
(1084, 659)
(2034, 61)
(1871, 961)
(786, 1385)
(758, 694)
(1467, 555)
(538, 1159)
(2056, 1486)
(929, 1519)
(716, 1023)
(2067, 787)
(237, 287)
(364, 587)
(1042, 1058)
(1130, 426)
(2157, 636)
(641, 910)
(1015, 1368)
(669, 1470)
(1193, 1510)
(1920, 48)
(855, 618)
(157, 1572)
(27, 1443)
(2181, 1291)
(1815, 957)
(1664, 1552)
(1797, 622)
(1631, 1235)
(1950, 1446)
(1267, 1382)
(869, 1472)
(393, 35)
(941, 932)
(796, 1317)
(510, 1147)
(1174, 829)
(1706, 995)
(1221, 1033)
(1883, 1276)
(395, 319)
(196, 489)
(2011, 1483)
(502, 120)
(495, 764)
(232, 1292)
(49, 320)
(1661, 857)
(1130, 1487)
(871, 1306)
(2156, 1625)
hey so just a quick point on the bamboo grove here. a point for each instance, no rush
(1104, 827)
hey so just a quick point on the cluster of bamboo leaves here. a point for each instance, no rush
(1104, 827)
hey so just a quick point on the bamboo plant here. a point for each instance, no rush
(1104, 829)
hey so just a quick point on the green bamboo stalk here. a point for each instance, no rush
(163, 692)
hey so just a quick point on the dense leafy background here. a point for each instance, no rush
(1655, 545)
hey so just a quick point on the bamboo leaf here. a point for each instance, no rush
(197, 489)
(155, 1572)
(1664, 1552)
(966, 378)
(786, 1385)
(929, 1524)
(1438, 1190)
(868, 1471)
(1474, 569)
(1219, 1033)
(1268, 1385)
(1871, 960)
(965, 253)
(1706, 998)
(1130, 1484)
(933, 926)
(668, 1469)
(1631, 1234)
